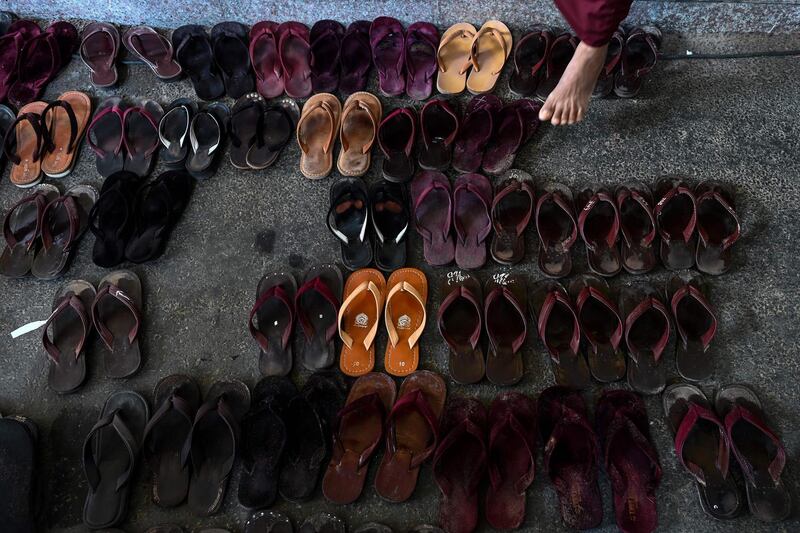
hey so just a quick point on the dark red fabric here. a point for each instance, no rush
(594, 21)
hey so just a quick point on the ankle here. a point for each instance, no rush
(588, 53)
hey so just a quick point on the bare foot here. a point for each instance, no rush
(568, 102)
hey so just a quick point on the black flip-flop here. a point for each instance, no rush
(268, 522)
(276, 129)
(111, 218)
(194, 53)
(244, 127)
(206, 135)
(105, 136)
(317, 306)
(116, 314)
(177, 399)
(72, 324)
(159, 206)
(348, 218)
(271, 323)
(18, 471)
(263, 442)
(212, 443)
(323, 523)
(109, 458)
(232, 56)
(23, 220)
(141, 138)
(62, 224)
(173, 131)
(389, 211)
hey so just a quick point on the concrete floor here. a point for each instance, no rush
(732, 120)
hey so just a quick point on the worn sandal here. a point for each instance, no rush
(271, 323)
(317, 306)
(359, 317)
(116, 313)
(647, 333)
(460, 323)
(22, 229)
(405, 319)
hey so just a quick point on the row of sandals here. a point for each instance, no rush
(274, 59)
(291, 441)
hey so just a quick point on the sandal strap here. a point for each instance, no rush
(220, 407)
(174, 403)
(150, 44)
(496, 294)
(376, 294)
(491, 32)
(194, 143)
(268, 118)
(90, 467)
(553, 297)
(367, 406)
(11, 135)
(512, 422)
(558, 199)
(702, 231)
(444, 106)
(326, 107)
(592, 292)
(514, 186)
(596, 199)
(318, 285)
(275, 292)
(690, 291)
(94, 213)
(109, 60)
(672, 193)
(106, 111)
(461, 292)
(468, 187)
(40, 199)
(623, 195)
(112, 290)
(47, 131)
(622, 423)
(69, 204)
(413, 401)
(465, 428)
(161, 123)
(541, 35)
(696, 413)
(432, 186)
(65, 303)
(149, 117)
(235, 140)
(645, 305)
(740, 413)
(265, 33)
(566, 37)
(391, 329)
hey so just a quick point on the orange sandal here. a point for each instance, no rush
(359, 316)
(405, 320)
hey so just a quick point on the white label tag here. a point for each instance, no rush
(27, 328)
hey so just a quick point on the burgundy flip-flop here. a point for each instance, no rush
(326, 44)
(562, 48)
(397, 134)
(676, 219)
(529, 57)
(420, 49)
(460, 322)
(472, 200)
(637, 227)
(512, 209)
(557, 229)
(387, 40)
(152, 48)
(598, 224)
(696, 324)
(11, 45)
(630, 459)
(294, 51)
(647, 334)
(571, 453)
(266, 60)
(432, 199)
(718, 227)
(477, 128)
(355, 57)
(99, 48)
(439, 123)
(505, 309)
(605, 81)
(514, 125)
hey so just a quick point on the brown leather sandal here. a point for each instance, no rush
(360, 118)
(316, 134)
(359, 317)
(64, 122)
(28, 130)
(405, 320)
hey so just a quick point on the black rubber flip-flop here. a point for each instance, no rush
(263, 442)
(177, 399)
(244, 127)
(206, 136)
(271, 323)
(22, 221)
(229, 41)
(109, 458)
(194, 53)
(111, 218)
(173, 131)
(277, 128)
(141, 136)
(212, 444)
(72, 324)
(389, 211)
(159, 207)
(105, 136)
(62, 224)
(317, 305)
(268, 522)
(18, 471)
(348, 218)
(117, 316)
(323, 523)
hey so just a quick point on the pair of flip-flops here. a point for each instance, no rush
(42, 231)
(191, 446)
(259, 132)
(193, 138)
(484, 51)
(279, 303)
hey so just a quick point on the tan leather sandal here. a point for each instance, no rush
(65, 121)
(360, 118)
(453, 58)
(316, 134)
(405, 318)
(26, 169)
(489, 51)
(359, 317)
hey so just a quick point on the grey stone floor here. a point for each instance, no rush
(732, 120)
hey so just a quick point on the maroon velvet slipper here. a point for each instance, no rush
(432, 198)
(387, 41)
(472, 200)
(459, 464)
(326, 43)
(515, 124)
(421, 45)
(598, 223)
(676, 218)
(397, 133)
(630, 459)
(476, 131)
(557, 229)
(265, 59)
(355, 58)
(512, 458)
(718, 227)
(11, 44)
(439, 123)
(294, 50)
(571, 453)
(637, 226)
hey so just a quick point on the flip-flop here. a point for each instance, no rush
(637, 227)
(317, 306)
(560, 332)
(718, 227)
(26, 158)
(512, 209)
(420, 48)
(397, 134)
(570, 456)
(676, 219)
(472, 200)
(360, 118)
(155, 50)
(389, 213)
(173, 131)
(206, 136)
(477, 130)
(758, 450)
(411, 435)
(316, 134)
(229, 41)
(601, 325)
(64, 122)
(294, 51)
(111, 220)
(357, 433)
(268, 522)
(141, 136)
(562, 48)
(62, 224)
(18, 474)
(696, 324)
(12, 41)
(530, 55)
(703, 448)
(515, 124)
(387, 40)
(265, 59)
(453, 58)
(194, 53)
(605, 81)
(72, 326)
(271, 323)
(105, 136)
(109, 458)
(439, 124)
(326, 40)
(359, 318)
(21, 230)
(244, 127)
(348, 219)
(212, 443)
(557, 229)
(460, 322)
(116, 313)
(432, 199)
(355, 57)
(505, 309)
(489, 51)
(404, 317)
(647, 334)
(639, 55)
(275, 131)
(598, 224)
(99, 48)
(177, 399)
